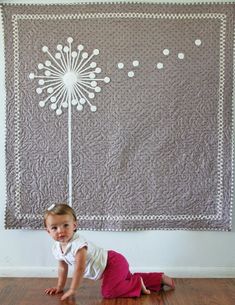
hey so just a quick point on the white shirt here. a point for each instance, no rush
(96, 259)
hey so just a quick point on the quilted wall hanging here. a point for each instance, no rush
(124, 111)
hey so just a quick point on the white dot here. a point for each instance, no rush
(97, 70)
(40, 66)
(66, 49)
(41, 82)
(181, 55)
(47, 73)
(74, 102)
(135, 63)
(106, 79)
(47, 63)
(41, 103)
(92, 75)
(93, 108)
(31, 75)
(80, 47)
(131, 73)
(97, 89)
(53, 99)
(39, 90)
(93, 64)
(120, 65)
(74, 54)
(50, 90)
(70, 40)
(44, 49)
(53, 106)
(198, 42)
(93, 83)
(58, 111)
(91, 95)
(65, 104)
(159, 65)
(82, 101)
(79, 107)
(58, 56)
(166, 52)
(84, 55)
(96, 52)
(59, 47)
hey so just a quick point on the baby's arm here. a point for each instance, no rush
(62, 277)
(79, 268)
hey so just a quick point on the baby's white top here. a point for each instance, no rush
(96, 257)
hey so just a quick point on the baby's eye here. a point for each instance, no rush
(54, 228)
(66, 225)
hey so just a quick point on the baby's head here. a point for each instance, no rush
(59, 209)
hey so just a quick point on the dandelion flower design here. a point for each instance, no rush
(69, 78)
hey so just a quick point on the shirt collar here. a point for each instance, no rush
(75, 236)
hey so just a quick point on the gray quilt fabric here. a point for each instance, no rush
(123, 111)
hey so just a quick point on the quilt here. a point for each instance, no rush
(123, 111)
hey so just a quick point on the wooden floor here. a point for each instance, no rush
(30, 291)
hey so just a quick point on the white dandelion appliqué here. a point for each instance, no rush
(70, 77)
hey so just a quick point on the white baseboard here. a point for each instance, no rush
(193, 272)
(177, 272)
(28, 271)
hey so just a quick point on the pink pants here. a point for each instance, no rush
(118, 281)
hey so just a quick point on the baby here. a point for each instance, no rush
(93, 262)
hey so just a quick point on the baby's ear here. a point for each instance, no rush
(75, 224)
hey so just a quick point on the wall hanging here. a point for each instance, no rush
(124, 111)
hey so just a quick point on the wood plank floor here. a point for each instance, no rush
(30, 291)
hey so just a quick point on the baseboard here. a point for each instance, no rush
(29, 272)
(193, 272)
(177, 272)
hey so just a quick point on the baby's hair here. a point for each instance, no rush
(60, 209)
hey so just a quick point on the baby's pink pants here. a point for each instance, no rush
(118, 281)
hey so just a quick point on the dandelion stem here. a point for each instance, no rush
(70, 180)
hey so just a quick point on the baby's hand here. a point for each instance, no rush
(68, 294)
(53, 290)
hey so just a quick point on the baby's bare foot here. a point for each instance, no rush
(144, 290)
(166, 280)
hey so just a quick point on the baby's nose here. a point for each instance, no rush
(60, 229)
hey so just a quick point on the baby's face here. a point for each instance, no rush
(61, 227)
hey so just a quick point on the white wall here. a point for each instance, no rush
(179, 253)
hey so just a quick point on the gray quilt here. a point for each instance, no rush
(124, 111)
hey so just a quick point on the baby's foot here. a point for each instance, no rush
(166, 280)
(144, 290)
